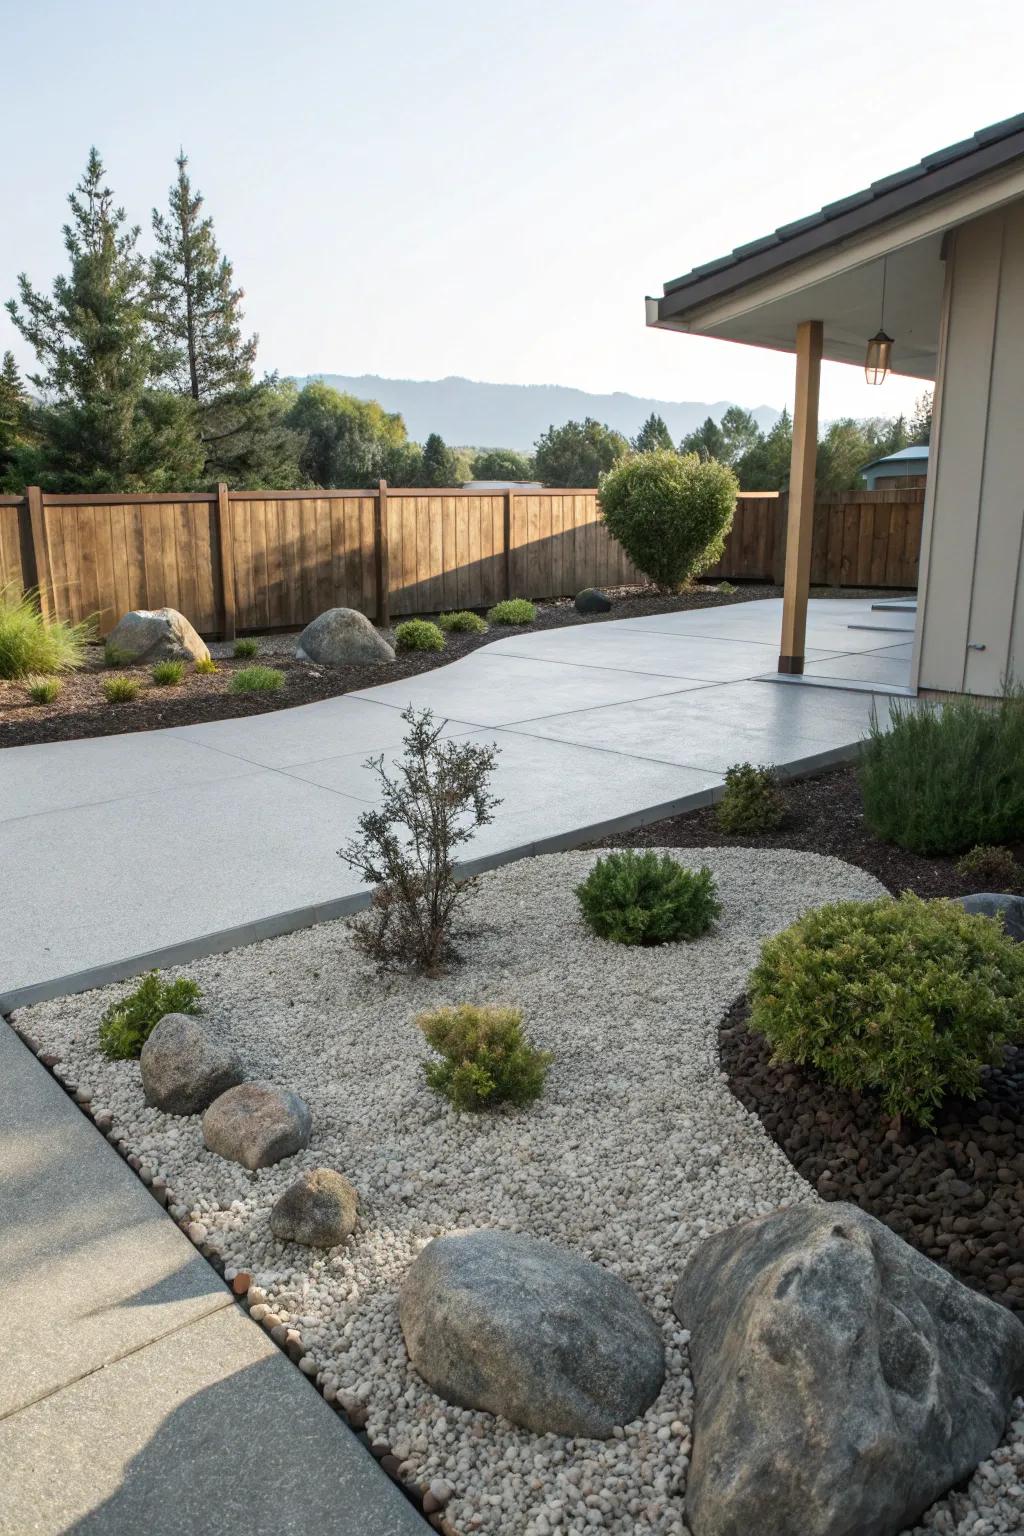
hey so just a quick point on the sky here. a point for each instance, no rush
(485, 188)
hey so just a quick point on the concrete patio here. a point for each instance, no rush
(155, 847)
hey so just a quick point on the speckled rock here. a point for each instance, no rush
(318, 1210)
(155, 634)
(592, 600)
(257, 1124)
(991, 904)
(340, 637)
(186, 1064)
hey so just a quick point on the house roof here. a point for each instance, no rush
(938, 174)
(916, 452)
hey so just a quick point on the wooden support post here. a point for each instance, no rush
(800, 524)
(383, 560)
(507, 536)
(35, 565)
(225, 540)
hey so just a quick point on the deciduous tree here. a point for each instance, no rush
(577, 453)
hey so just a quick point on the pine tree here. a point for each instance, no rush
(921, 421)
(439, 462)
(707, 440)
(15, 427)
(653, 434)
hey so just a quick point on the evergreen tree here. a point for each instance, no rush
(740, 432)
(765, 466)
(577, 453)
(707, 440)
(921, 421)
(440, 465)
(653, 434)
(16, 433)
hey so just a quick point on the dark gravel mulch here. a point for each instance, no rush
(956, 1194)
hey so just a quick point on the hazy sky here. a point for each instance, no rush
(490, 189)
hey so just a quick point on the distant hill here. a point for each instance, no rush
(471, 414)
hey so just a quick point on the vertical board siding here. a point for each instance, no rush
(12, 572)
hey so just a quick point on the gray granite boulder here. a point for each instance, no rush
(592, 600)
(318, 1210)
(154, 634)
(843, 1381)
(991, 904)
(257, 1124)
(340, 637)
(186, 1064)
(518, 1327)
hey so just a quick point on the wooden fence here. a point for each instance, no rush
(275, 559)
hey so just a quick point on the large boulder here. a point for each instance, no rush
(592, 600)
(257, 1124)
(515, 1326)
(186, 1064)
(1009, 908)
(340, 637)
(843, 1381)
(155, 634)
(319, 1210)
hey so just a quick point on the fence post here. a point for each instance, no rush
(507, 535)
(383, 561)
(32, 539)
(225, 540)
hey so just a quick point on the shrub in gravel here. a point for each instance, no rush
(514, 610)
(31, 644)
(647, 898)
(991, 869)
(485, 1057)
(43, 690)
(257, 680)
(246, 648)
(168, 674)
(943, 778)
(907, 999)
(120, 690)
(462, 623)
(127, 1024)
(670, 512)
(405, 847)
(752, 801)
(418, 635)
(206, 666)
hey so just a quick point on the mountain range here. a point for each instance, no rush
(468, 413)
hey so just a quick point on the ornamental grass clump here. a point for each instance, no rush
(127, 1024)
(991, 869)
(406, 846)
(43, 690)
(464, 622)
(647, 898)
(120, 690)
(32, 645)
(168, 674)
(246, 647)
(752, 801)
(906, 999)
(206, 666)
(671, 513)
(485, 1059)
(944, 778)
(257, 680)
(418, 635)
(513, 610)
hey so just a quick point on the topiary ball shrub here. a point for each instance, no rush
(485, 1057)
(752, 801)
(647, 898)
(670, 512)
(945, 778)
(257, 680)
(464, 622)
(513, 610)
(908, 999)
(991, 869)
(418, 635)
(31, 645)
(127, 1024)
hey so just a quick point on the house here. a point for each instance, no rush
(923, 272)
(906, 467)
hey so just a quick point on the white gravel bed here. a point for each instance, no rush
(637, 1151)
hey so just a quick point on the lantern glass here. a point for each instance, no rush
(878, 359)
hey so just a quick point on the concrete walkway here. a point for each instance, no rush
(129, 851)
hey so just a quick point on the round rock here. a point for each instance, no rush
(155, 634)
(517, 1327)
(592, 600)
(318, 1210)
(257, 1124)
(186, 1064)
(342, 636)
(990, 904)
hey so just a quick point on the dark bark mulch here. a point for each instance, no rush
(956, 1194)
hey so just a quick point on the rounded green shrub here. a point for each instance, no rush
(127, 1024)
(31, 645)
(464, 622)
(908, 999)
(991, 869)
(168, 674)
(752, 801)
(246, 647)
(647, 898)
(513, 610)
(670, 512)
(43, 690)
(257, 680)
(418, 635)
(120, 690)
(485, 1058)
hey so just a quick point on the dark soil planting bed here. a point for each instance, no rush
(956, 1194)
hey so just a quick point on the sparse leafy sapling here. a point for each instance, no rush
(485, 1059)
(433, 803)
(127, 1024)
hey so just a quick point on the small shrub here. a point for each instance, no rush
(31, 645)
(670, 512)
(514, 610)
(120, 690)
(406, 847)
(418, 635)
(168, 674)
(206, 666)
(257, 680)
(127, 1024)
(114, 656)
(726, 587)
(647, 898)
(945, 778)
(908, 998)
(462, 623)
(485, 1057)
(43, 690)
(752, 801)
(991, 869)
(246, 648)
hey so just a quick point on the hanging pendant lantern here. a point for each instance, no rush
(878, 359)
